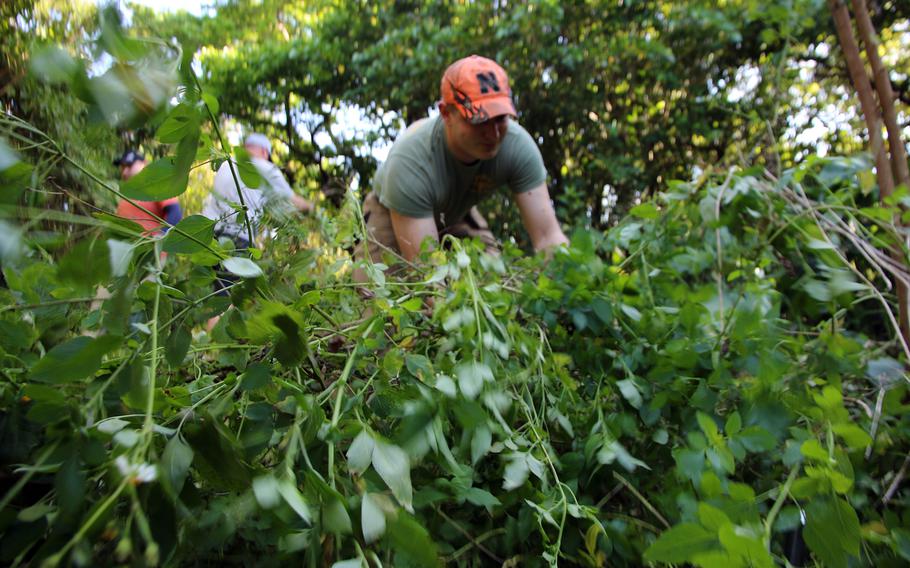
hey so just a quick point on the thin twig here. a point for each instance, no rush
(485, 536)
(720, 253)
(861, 276)
(897, 481)
(641, 498)
(468, 536)
(875, 419)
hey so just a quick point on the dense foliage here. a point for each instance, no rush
(716, 380)
(681, 389)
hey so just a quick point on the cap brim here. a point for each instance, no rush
(490, 108)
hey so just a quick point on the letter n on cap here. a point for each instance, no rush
(488, 81)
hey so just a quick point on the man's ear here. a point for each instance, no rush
(444, 110)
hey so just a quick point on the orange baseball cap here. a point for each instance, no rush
(479, 88)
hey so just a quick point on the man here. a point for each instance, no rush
(130, 164)
(273, 194)
(441, 167)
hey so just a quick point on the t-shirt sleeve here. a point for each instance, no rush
(275, 179)
(528, 170)
(406, 190)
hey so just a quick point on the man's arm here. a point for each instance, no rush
(275, 178)
(539, 218)
(411, 231)
(301, 204)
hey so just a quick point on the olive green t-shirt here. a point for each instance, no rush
(421, 178)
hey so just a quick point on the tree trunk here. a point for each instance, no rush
(885, 94)
(288, 123)
(863, 87)
(885, 169)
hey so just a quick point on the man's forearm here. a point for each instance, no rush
(551, 239)
(301, 204)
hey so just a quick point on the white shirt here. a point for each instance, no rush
(273, 194)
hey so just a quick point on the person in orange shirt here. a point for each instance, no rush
(130, 164)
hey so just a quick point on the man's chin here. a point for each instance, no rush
(488, 153)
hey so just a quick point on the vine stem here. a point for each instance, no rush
(641, 498)
(149, 423)
(336, 412)
(720, 250)
(892, 489)
(474, 541)
(139, 206)
(897, 329)
(87, 525)
(11, 494)
(778, 503)
(246, 218)
(13, 307)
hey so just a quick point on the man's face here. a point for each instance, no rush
(257, 151)
(128, 171)
(471, 142)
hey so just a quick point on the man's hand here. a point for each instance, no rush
(410, 232)
(539, 218)
(302, 204)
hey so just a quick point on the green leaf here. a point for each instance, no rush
(70, 486)
(76, 359)
(177, 345)
(603, 310)
(902, 542)
(480, 443)
(419, 366)
(645, 211)
(249, 175)
(243, 267)
(471, 377)
(393, 466)
(335, 517)
(54, 64)
(814, 451)
(710, 485)
(481, 498)
(114, 39)
(756, 439)
(711, 517)
(175, 463)
(410, 538)
(265, 489)
(854, 436)
(516, 472)
(360, 454)
(707, 425)
(218, 457)
(746, 544)
(681, 543)
(733, 425)
(832, 531)
(202, 229)
(211, 102)
(87, 264)
(292, 496)
(255, 377)
(372, 519)
(612, 451)
(160, 180)
(181, 122)
(630, 392)
(121, 254)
